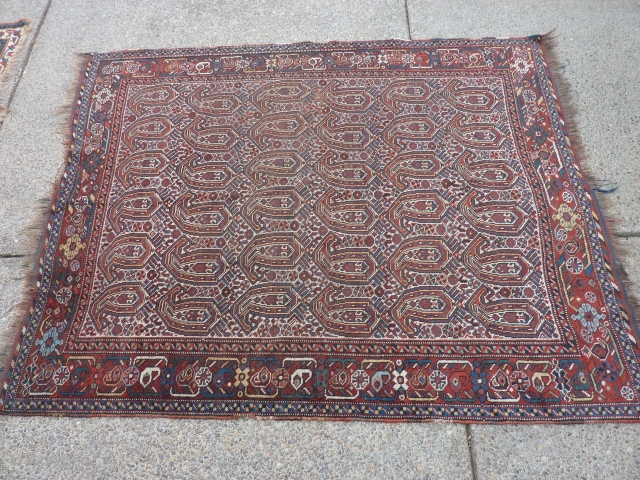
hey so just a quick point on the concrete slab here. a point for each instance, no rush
(11, 286)
(548, 451)
(102, 448)
(11, 11)
(30, 154)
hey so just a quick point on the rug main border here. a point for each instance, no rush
(622, 314)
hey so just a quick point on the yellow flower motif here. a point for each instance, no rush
(72, 247)
(242, 377)
(567, 217)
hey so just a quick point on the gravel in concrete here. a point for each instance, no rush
(547, 451)
(109, 448)
(11, 286)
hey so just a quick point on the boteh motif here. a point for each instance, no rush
(384, 230)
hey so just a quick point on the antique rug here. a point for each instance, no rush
(384, 230)
(11, 35)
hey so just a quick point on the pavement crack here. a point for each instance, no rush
(11, 255)
(627, 234)
(406, 13)
(472, 457)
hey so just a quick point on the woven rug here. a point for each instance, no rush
(381, 230)
(11, 35)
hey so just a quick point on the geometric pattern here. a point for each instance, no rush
(382, 230)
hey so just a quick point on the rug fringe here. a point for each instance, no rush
(549, 42)
(65, 111)
(35, 232)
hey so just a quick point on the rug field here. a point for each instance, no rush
(395, 230)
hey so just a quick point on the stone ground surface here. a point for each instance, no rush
(599, 47)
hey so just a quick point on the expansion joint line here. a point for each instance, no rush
(406, 14)
(472, 457)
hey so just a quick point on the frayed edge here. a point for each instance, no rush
(35, 231)
(569, 110)
(33, 235)
(64, 113)
(21, 307)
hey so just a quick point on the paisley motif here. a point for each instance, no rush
(382, 230)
